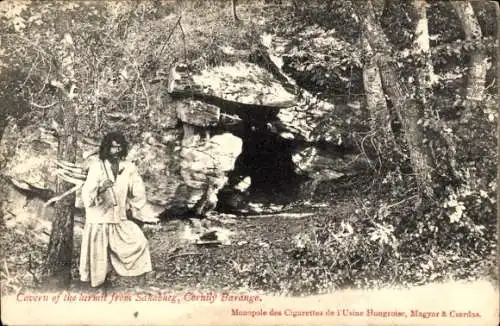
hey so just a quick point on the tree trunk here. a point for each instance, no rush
(477, 66)
(7, 128)
(380, 119)
(378, 8)
(425, 79)
(3, 195)
(422, 50)
(234, 3)
(4, 122)
(57, 269)
(410, 110)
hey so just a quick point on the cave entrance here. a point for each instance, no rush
(267, 159)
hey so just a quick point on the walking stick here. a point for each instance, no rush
(113, 196)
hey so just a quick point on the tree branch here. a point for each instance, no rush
(57, 198)
(43, 106)
(169, 35)
(233, 7)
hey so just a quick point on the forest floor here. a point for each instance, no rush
(357, 236)
(325, 244)
(314, 247)
(259, 245)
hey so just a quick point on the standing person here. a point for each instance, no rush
(110, 240)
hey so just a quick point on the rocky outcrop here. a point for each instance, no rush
(219, 110)
(205, 163)
(197, 113)
(241, 82)
(157, 158)
(302, 121)
(28, 159)
(250, 89)
(259, 96)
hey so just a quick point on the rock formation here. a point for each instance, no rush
(237, 121)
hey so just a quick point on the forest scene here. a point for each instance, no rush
(289, 147)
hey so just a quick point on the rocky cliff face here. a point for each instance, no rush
(275, 120)
(225, 124)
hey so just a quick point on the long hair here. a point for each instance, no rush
(107, 140)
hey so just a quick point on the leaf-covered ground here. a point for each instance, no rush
(335, 242)
(371, 231)
(331, 248)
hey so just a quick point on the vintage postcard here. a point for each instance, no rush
(267, 162)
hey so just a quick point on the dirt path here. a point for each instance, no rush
(258, 257)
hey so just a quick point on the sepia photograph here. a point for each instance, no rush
(250, 162)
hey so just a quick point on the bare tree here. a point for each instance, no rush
(57, 269)
(380, 118)
(422, 50)
(409, 109)
(477, 66)
(60, 252)
(234, 3)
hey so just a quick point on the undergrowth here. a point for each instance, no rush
(404, 242)
(22, 256)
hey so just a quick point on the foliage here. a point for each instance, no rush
(384, 244)
(21, 267)
(464, 204)
(118, 56)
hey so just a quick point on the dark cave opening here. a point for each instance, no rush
(267, 159)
